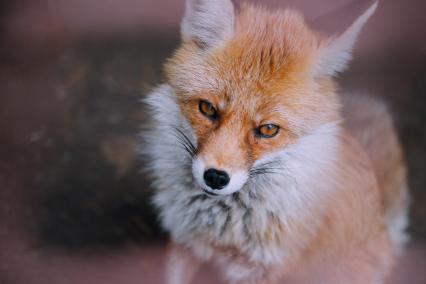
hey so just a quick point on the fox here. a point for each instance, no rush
(261, 165)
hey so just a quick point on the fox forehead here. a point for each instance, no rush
(268, 52)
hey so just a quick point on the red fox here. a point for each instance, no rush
(261, 166)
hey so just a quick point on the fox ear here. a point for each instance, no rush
(334, 54)
(208, 22)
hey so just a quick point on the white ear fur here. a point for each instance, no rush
(334, 56)
(209, 22)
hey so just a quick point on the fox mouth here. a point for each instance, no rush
(209, 193)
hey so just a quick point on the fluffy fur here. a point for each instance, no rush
(321, 200)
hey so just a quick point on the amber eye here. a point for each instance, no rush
(208, 110)
(267, 130)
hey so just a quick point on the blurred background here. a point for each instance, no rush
(74, 205)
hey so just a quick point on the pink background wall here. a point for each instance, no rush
(396, 23)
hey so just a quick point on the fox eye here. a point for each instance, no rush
(267, 130)
(207, 109)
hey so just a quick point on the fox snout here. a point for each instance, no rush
(217, 181)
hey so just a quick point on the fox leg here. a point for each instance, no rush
(181, 265)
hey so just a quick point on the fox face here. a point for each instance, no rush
(252, 84)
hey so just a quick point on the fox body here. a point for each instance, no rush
(260, 165)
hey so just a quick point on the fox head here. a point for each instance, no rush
(252, 84)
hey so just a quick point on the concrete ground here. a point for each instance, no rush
(21, 263)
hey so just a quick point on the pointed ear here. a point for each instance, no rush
(334, 55)
(208, 22)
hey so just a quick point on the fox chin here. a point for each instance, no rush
(260, 165)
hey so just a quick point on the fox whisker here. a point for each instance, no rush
(184, 141)
(271, 167)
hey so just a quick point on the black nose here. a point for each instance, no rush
(216, 179)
